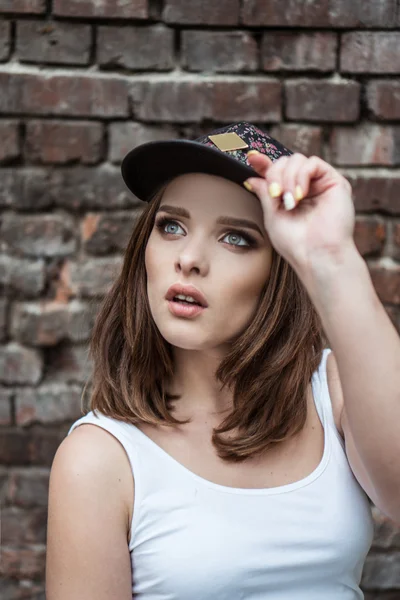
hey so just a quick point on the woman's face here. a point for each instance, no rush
(229, 264)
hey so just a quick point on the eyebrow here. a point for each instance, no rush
(182, 212)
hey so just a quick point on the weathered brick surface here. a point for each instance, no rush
(306, 139)
(48, 403)
(22, 276)
(23, 6)
(366, 144)
(325, 13)
(49, 235)
(85, 81)
(105, 233)
(20, 365)
(289, 51)
(5, 40)
(383, 99)
(5, 406)
(123, 137)
(219, 51)
(110, 9)
(55, 142)
(370, 52)
(220, 100)
(136, 48)
(41, 42)
(9, 135)
(207, 12)
(369, 235)
(322, 100)
(72, 95)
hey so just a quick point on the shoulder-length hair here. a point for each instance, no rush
(268, 368)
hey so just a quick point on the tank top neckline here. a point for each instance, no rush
(281, 489)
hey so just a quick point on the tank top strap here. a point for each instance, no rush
(321, 391)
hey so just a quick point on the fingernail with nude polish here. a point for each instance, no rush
(253, 152)
(289, 200)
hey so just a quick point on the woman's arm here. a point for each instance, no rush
(87, 551)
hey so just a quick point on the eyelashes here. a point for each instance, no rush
(162, 221)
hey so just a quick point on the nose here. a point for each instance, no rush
(192, 257)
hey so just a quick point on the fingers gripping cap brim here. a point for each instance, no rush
(150, 166)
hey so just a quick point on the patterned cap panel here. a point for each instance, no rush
(253, 136)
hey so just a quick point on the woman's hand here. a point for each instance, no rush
(320, 224)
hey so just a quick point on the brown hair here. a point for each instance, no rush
(269, 365)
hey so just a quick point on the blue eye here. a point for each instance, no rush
(237, 236)
(250, 242)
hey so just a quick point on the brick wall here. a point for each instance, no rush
(83, 81)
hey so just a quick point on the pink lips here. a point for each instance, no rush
(186, 290)
(179, 309)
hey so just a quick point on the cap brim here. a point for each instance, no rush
(148, 167)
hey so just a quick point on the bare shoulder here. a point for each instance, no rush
(87, 553)
(335, 391)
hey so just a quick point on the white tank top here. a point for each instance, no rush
(198, 540)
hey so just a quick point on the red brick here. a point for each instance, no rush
(76, 188)
(68, 364)
(290, 51)
(39, 235)
(369, 235)
(108, 9)
(9, 135)
(136, 48)
(24, 563)
(306, 139)
(325, 13)
(386, 279)
(94, 277)
(3, 318)
(207, 12)
(23, 6)
(373, 191)
(5, 40)
(81, 317)
(170, 100)
(12, 589)
(25, 188)
(47, 404)
(123, 136)
(61, 142)
(394, 315)
(219, 52)
(5, 406)
(386, 534)
(20, 365)
(53, 43)
(381, 572)
(365, 144)
(220, 100)
(22, 527)
(396, 241)
(106, 233)
(383, 99)
(317, 100)
(27, 487)
(370, 52)
(249, 100)
(22, 276)
(39, 324)
(71, 95)
(29, 447)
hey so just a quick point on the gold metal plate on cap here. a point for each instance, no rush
(228, 141)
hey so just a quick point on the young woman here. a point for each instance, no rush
(230, 451)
